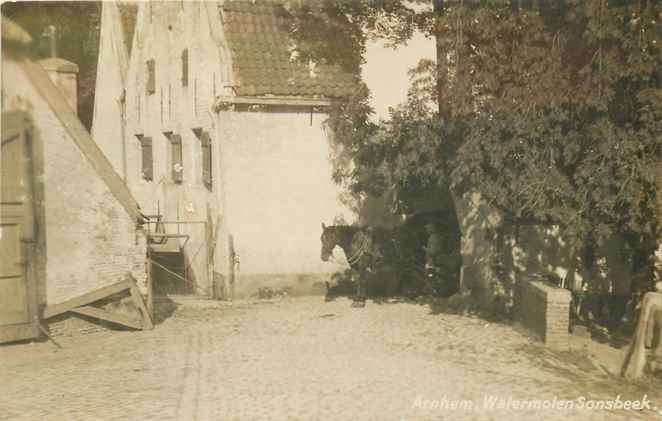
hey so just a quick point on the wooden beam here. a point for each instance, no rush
(276, 101)
(138, 301)
(170, 246)
(177, 222)
(18, 332)
(102, 314)
(82, 300)
(48, 335)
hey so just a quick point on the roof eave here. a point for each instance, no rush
(226, 102)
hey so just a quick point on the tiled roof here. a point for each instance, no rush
(128, 14)
(257, 35)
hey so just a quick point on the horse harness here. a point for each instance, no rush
(362, 245)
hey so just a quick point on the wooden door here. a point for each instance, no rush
(18, 303)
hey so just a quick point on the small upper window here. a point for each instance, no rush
(205, 144)
(147, 158)
(176, 158)
(151, 78)
(185, 67)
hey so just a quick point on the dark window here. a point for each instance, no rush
(205, 143)
(151, 79)
(185, 67)
(161, 104)
(176, 154)
(147, 160)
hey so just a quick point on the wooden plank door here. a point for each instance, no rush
(18, 302)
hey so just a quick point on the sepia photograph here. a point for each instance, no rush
(388, 210)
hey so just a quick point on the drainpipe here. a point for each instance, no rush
(123, 131)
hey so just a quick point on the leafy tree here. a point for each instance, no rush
(551, 110)
(77, 33)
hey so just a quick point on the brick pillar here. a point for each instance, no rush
(545, 311)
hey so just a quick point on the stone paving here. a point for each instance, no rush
(303, 359)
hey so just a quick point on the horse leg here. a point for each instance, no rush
(359, 299)
(328, 296)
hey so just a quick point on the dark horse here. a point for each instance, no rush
(365, 250)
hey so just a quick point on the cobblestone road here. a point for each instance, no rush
(302, 359)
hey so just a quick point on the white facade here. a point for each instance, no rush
(271, 175)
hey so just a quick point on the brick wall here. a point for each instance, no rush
(90, 240)
(86, 239)
(544, 310)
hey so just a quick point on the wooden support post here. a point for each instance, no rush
(231, 266)
(50, 338)
(211, 234)
(138, 301)
(148, 270)
(101, 314)
(150, 284)
(211, 288)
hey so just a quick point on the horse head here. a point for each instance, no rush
(329, 242)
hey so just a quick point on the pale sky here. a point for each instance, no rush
(385, 71)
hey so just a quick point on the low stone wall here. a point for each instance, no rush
(545, 311)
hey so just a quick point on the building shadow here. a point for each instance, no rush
(164, 308)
